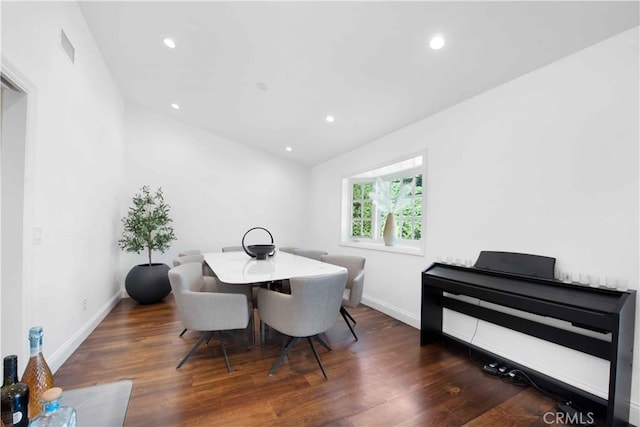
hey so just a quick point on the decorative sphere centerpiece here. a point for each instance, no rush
(261, 251)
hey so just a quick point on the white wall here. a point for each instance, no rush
(217, 188)
(545, 164)
(73, 179)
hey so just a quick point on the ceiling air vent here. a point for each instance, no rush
(67, 46)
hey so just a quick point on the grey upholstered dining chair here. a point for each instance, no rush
(207, 312)
(197, 257)
(355, 284)
(311, 309)
(309, 253)
(186, 259)
(190, 252)
(210, 282)
(288, 249)
(251, 292)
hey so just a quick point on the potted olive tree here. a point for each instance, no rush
(147, 226)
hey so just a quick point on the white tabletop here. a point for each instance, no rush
(238, 267)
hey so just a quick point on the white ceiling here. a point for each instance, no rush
(366, 63)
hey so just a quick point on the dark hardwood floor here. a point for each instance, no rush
(384, 379)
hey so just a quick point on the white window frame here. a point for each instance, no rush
(399, 168)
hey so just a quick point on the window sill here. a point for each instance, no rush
(407, 250)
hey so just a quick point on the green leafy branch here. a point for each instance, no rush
(147, 224)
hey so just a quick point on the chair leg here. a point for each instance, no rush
(205, 336)
(322, 342)
(315, 353)
(252, 329)
(346, 314)
(183, 332)
(285, 350)
(224, 352)
(238, 336)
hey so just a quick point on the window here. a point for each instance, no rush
(370, 196)
(361, 210)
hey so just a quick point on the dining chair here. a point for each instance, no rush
(207, 312)
(283, 285)
(310, 309)
(210, 282)
(251, 288)
(309, 253)
(288, 249)
(197, 257)
(190, 252)
(185, 259)
(355, 284)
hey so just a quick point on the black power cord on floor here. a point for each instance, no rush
(567, 411)
(520, 378)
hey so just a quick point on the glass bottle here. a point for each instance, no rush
(15, 395)
(37, 374)
(54, 415)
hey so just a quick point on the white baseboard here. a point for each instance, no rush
(61, 355)
(390, 310)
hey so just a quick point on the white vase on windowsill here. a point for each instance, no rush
(389, 233)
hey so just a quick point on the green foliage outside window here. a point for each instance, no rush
(361, 210)
(356, 228)
(357, 192)
(357, 211)
(408, 216)
(367, 210)
(366, 228)
(417, 230)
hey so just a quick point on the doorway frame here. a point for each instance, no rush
(21, 82)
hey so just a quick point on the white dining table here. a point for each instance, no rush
(240, 268)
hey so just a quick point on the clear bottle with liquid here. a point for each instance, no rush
(37, 374)
(54, 414)
(15, 395)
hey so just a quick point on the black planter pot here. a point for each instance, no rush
(148, 284)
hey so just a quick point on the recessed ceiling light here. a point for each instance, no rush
(175, 106)
(436, 42)
(169, 43)
(289, 149)
(330, 119)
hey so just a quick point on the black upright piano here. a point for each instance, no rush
(526, 282)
